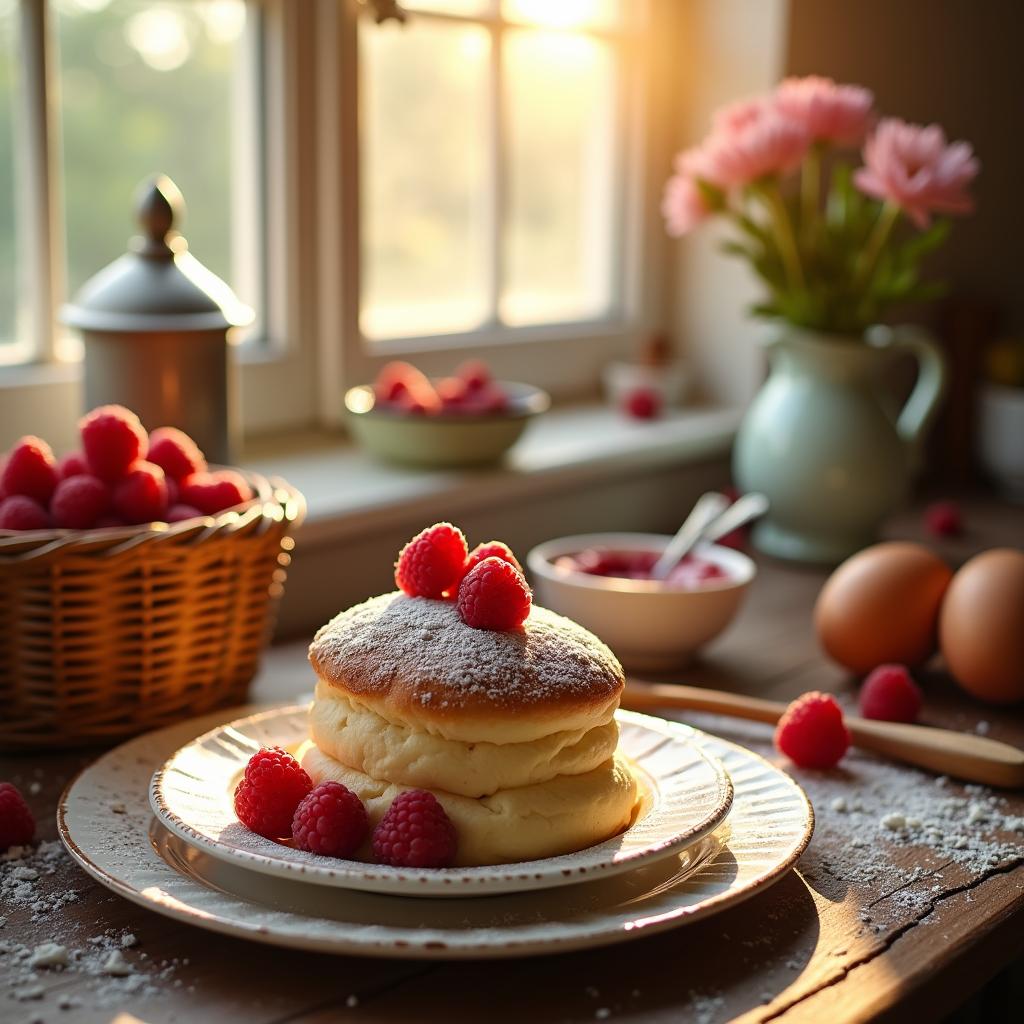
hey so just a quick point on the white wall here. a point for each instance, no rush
(727, 49)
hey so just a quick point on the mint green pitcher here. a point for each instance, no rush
(819, 442)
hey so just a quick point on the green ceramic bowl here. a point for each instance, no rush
(448, 439)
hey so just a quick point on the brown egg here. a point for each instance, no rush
(882, 605)
(981, 627)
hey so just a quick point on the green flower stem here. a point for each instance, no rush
(872, 252)
(785, 238)
(810, 191)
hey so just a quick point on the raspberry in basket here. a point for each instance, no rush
(213, 492)
(330, 820)
(175, 453)
(79, 502)
(73, 464)
(112, 438)
(270, 791)
(30, 470)
(20, 513)
(141, 495)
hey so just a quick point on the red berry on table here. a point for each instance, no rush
(175, 453)
(214, 492)
(415, 832)
(269, 792)
(812, 733)
(30, 470)
(17, 826)
(73, 464)
(494, 595)
(944, 519)
(476, 373)
(180, 513)
(113, 439)
(79, 502)
(330, 820)
(432, 562)
(491, 549)
(20, 513)
(643, 404)
(140, 496)
(891, 695)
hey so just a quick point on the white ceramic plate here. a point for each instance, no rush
(130, 853)
(685, 795)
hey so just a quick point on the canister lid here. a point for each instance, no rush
(158, 285)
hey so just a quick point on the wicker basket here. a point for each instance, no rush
(108, 633)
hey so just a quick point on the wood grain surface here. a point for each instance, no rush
(826, 944)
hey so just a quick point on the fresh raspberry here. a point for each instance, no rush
(79, 501)
(330, 820)
(214, 492)
(432, 562)
(486, 400)
(180, 513)
(491, 549)
(891, 695)
(272, 788)
(113, 438)
(944, 519)
(642, 404)
(812, 733)
(73, 464)
(453, 392)
(30, 470)
(20, 513)
(495, 595)
(141, 495)
(175, 453)
(17, 826)
(402, 385)
(415, 832)
(173, 490)
(476, 374)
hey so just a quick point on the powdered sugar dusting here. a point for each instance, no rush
(425, 646)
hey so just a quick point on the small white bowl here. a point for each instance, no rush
(649, 625)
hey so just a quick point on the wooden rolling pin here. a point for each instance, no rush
(959, 754)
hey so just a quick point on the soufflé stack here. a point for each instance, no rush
(504, 711)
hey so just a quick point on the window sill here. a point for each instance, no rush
(347, 490)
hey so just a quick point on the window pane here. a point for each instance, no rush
(147, 88)
(424, 178)
(565, 13)
(12, 311)
(561, 172)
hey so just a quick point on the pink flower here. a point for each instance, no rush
(749, 144)
(740, 115)
(914, 167)
(827, 112)
(683, 205)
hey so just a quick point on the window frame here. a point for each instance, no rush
(313, 347)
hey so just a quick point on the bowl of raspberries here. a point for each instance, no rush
(137, 583)
(467, 419)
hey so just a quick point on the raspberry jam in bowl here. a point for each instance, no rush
(602, 581)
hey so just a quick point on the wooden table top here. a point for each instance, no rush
(874, 923)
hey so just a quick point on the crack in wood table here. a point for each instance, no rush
(908, 901)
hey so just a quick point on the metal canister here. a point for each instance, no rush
(156, 328)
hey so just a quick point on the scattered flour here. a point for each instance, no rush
(34, 890)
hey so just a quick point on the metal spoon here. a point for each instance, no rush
(742, 510)
(708, 507)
